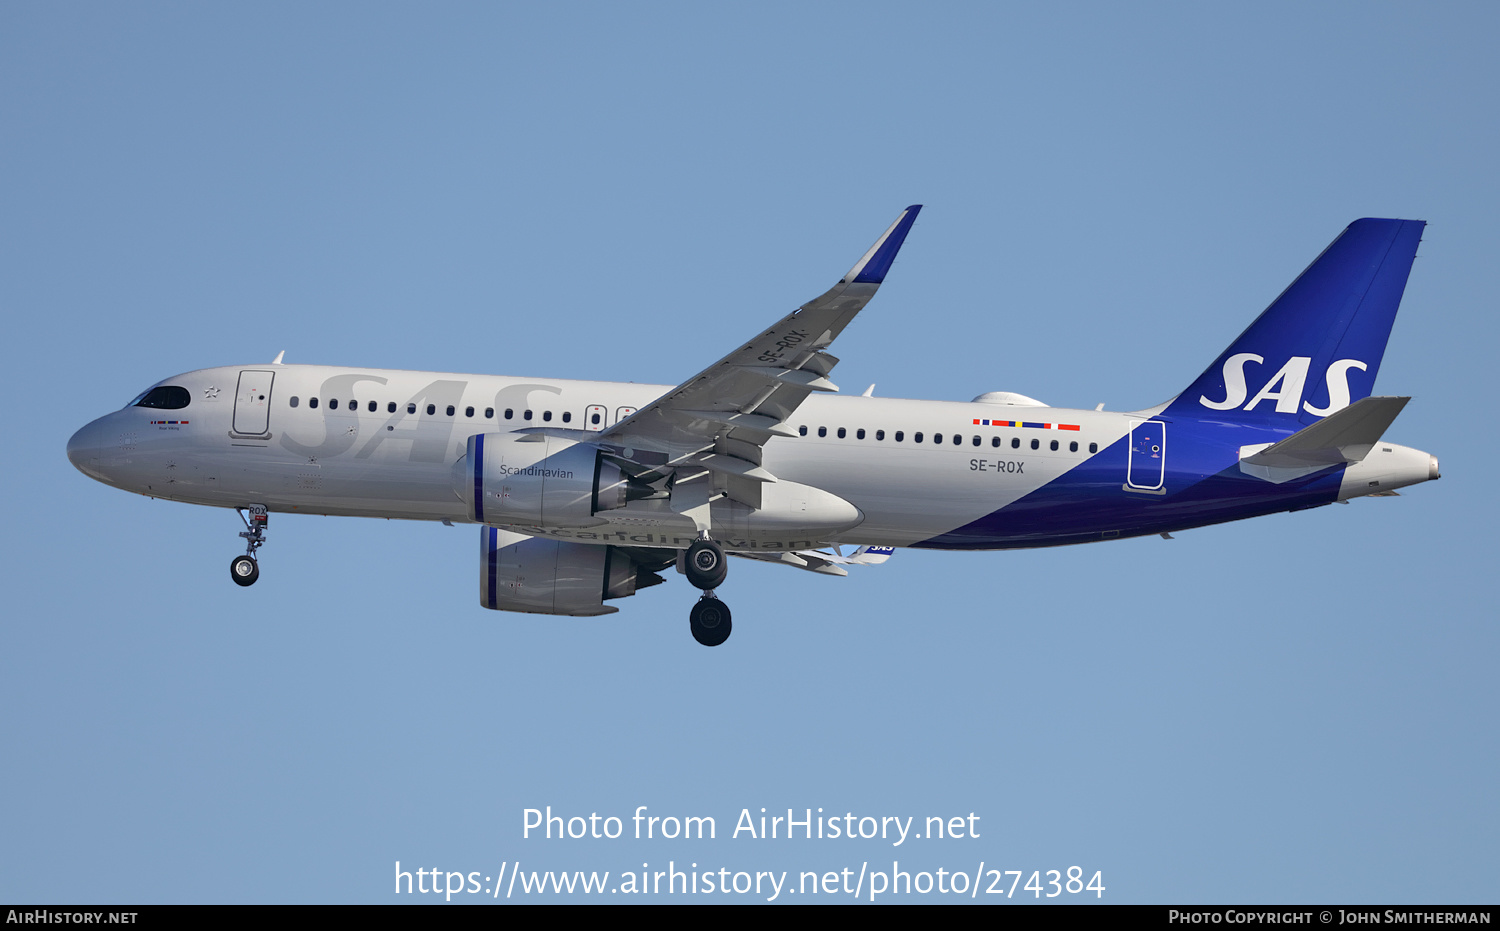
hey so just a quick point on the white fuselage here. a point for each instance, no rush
(380, 443)
(340, 457)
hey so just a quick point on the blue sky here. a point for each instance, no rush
(1298, 708)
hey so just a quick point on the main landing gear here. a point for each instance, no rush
(706, 566)
(710, 621)
(244, 569)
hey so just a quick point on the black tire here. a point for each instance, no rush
(710, 622)
(244, 570)
(706, 565)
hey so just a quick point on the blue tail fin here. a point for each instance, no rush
(1318, 346)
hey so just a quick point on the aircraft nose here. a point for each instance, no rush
(85, 449)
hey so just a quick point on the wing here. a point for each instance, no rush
(710, 430)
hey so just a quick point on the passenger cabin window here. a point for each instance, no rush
(450, 410)
(1015, 442)
(468, 412)
(293, 401)
(842, 433)
(1036, 444)
(1054, 446)
(312, 402)
(489, 413)
(391, 407)
(411, 407)
(916, 437)
(900, 435)
(567, 416)
(801, 431)
(547, 415)
(431, 409)
(1073, 447)
(373, 406)
(822, 431)
(333, 404)
(165, 398)
(509, 413)
(879, 434)
(1093, 447)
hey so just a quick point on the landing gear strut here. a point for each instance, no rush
(244, 569)
(706, 567)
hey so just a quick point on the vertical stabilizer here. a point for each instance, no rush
(1318, 347)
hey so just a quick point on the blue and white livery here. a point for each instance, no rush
(586, 491)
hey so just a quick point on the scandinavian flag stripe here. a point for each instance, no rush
(1027, 425)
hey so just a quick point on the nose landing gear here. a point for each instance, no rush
(244, 569)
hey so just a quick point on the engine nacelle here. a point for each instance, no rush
(539, 576)
(540, 481)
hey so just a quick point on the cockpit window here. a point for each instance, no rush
(165, 397)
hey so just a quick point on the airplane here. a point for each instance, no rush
(586, 491)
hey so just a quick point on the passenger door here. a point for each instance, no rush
(252, 403)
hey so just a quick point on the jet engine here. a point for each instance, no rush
(534, 480)
(534, 575)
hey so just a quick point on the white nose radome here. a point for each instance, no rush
(84, 448)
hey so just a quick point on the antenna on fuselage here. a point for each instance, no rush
(279, 356)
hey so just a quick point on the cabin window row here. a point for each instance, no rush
(957, 439)
(432, 409)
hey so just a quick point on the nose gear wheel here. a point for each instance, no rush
(246, 569)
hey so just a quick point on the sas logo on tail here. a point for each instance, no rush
(1285, 387)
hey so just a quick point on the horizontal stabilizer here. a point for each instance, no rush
(823, 561)
(810, 560)
(1342, 437)
(871, 555)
